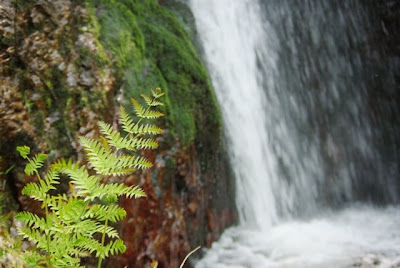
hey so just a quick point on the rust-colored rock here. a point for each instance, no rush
(53, 90)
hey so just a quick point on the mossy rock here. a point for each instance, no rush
(152, 49)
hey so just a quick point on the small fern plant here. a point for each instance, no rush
(79, 223)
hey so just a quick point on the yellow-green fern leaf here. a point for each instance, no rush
(100, 158)
(151, 102)
(147, 129)
(126, 162)
(107, 163)
(33, 190)
(151, 114)
(110, 231)
(33, 259)
(130, 126)
(118, 189)
(126, 121)
(114, 139)
(143, 143)
(112, 213)
(24, 151)
(88, 243)
(138, 108)
(35, 236)
(39, 190)
(157, 93)
(35, 163)
(114, 247)
(32, 220)
(85, 227)
(83, 183)
(72, 211)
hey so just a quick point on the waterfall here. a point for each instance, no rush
(233, 64)
(293, 80)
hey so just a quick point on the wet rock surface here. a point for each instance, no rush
(377, 260)
(56, 81)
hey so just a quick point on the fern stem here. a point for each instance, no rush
(102, 242)
(47, 223)
(46, 211)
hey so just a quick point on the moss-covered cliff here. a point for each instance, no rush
(67, 64)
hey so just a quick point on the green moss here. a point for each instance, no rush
(151, 49)
(49, 102)
(66, 44)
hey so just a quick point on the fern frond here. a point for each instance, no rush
(34, 191)
(39, 190)
(88, 243)
(108, 230)
(143, 143)
(148, 129)
(84, 183)
(114, 138)
(72, 223)
(112, 213)
(68, 262)
(35, 163)
(147, 99)
(144, 113)
(151, 114)
(114, 247)
(134, 191)
(32, 220)
(126, 121)
(151, 102)
(130, 126)
(138, 108)
(157, 93)
(55, 202)
(33, 259)
(144, 129)
(118, 189)
(94, 151)
(92, 245)
(72, 210)
(52, 177)
(35, 236)
(99, 157)
(124, 164)
(106, 163)
(85, 227)
(24, 151)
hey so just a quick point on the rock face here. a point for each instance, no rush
(65, 65)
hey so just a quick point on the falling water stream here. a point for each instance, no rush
(293, 79)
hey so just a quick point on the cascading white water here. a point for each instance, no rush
(292, 89)
(236, 73)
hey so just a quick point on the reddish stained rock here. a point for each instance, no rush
(63, 96)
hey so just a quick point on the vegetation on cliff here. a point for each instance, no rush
(66, 65)
(150, 46)
(78, 223)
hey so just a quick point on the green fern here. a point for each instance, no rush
(107, 162)
(131, 127)
(35, 163)
(39, 190)
(114, 139)
(73, 222)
